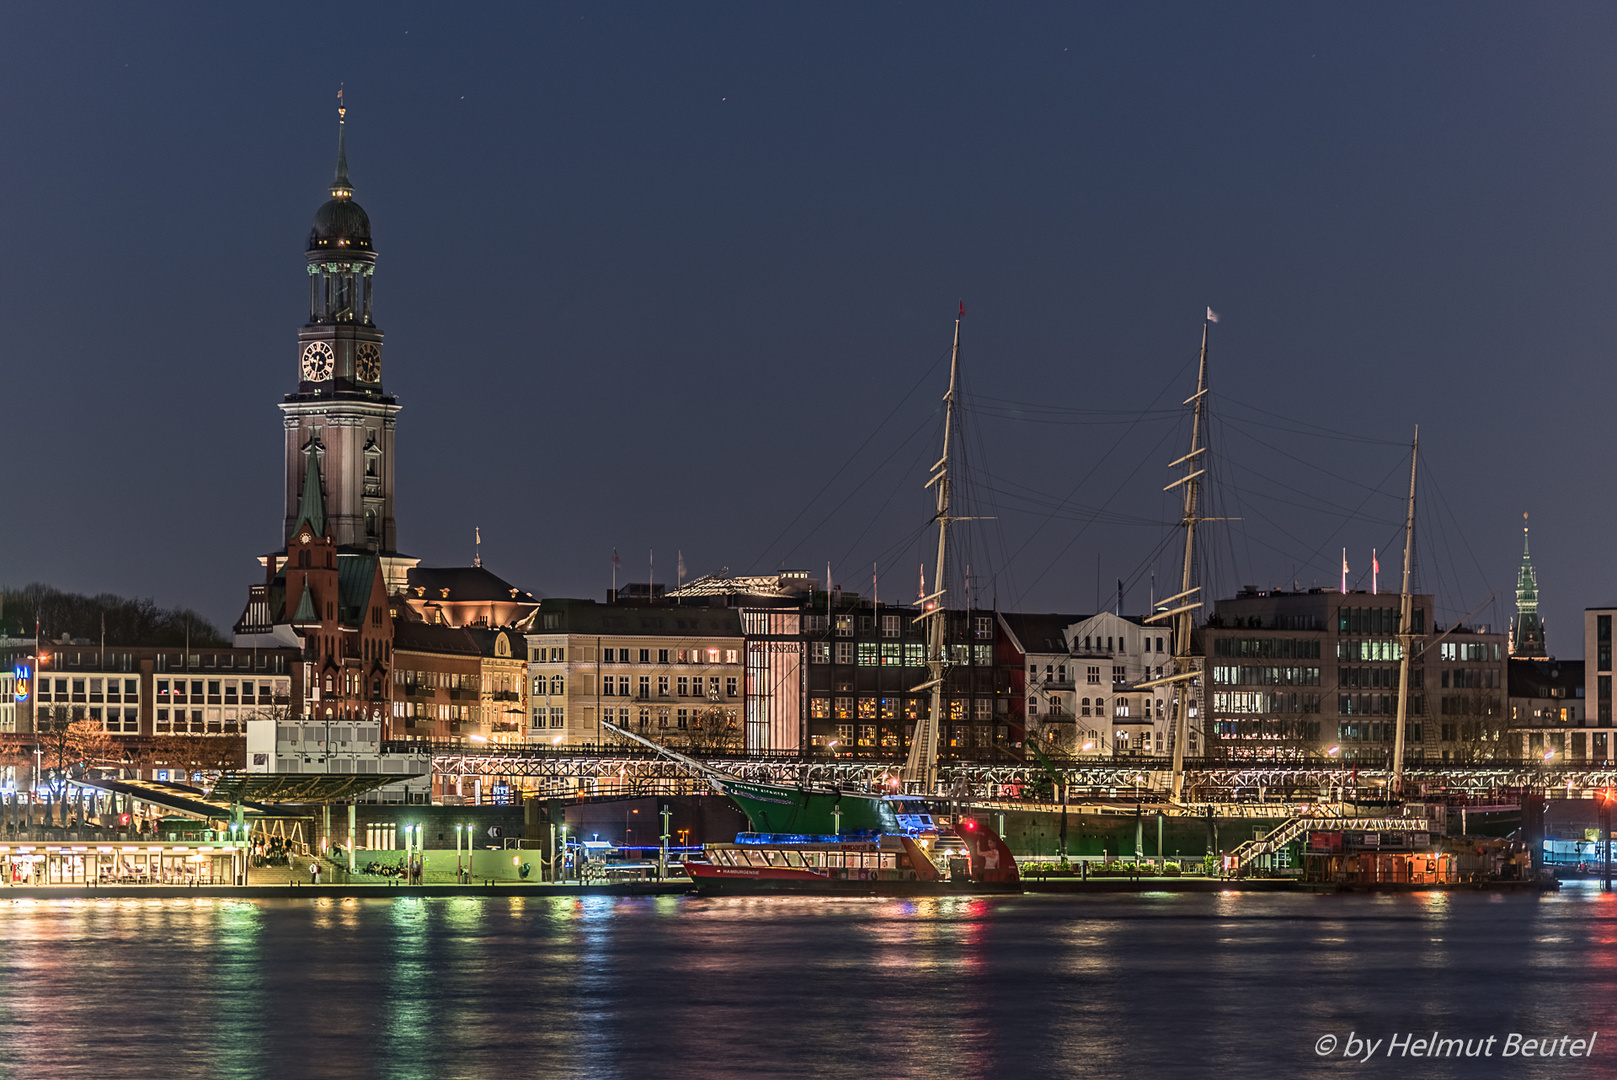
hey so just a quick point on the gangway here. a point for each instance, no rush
(1278, 837)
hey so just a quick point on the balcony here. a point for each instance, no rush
(462, 693)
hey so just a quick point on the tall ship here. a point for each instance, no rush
(805, 838)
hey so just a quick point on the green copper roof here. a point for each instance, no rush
(1527, 634)
(340, 185)
(356, 574)
(312, 507)
(305, 615)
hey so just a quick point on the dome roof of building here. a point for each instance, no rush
(341, 223)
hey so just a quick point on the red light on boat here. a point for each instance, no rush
(969, 825)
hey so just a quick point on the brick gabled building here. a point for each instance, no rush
(332, 605)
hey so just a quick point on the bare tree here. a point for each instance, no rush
(713, 730)
(1473, 725)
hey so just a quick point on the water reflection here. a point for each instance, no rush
(1220, 984)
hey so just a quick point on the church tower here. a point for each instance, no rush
(340, 415)
(1527, 635)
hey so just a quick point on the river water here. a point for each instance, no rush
(1232, 984)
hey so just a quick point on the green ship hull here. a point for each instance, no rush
(777, 808)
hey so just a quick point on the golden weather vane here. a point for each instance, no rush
(342, 110)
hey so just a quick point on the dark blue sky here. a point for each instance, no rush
(651, 275)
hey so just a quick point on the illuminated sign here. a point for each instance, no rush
(24, 676)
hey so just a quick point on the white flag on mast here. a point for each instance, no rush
(1212, 316)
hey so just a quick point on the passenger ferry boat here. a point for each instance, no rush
(885, 864)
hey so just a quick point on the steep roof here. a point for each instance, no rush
(429, 638)
(1040, 633)
(312, 504)
(487, 640)
(465, 583)
(306, 614)
(356, 576)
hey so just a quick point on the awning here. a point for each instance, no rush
(180, 799)
(300, 787)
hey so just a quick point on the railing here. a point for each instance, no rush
(1277, 838)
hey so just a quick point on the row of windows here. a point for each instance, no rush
(1374, 732)
(320, 733)
(686, 686)
(437, 680)
(123, 662)
(870, 735)
(1226, 702)
(1371, 678)
(1145, 644)
(643, 719)
(1469, 705)
(117, 721)
(892, 626)
(1371, 704)
(427, 710)
(1471, 679)
(1376, 620)
(897, 654)
(679, 656)
(219, 691)
(1267, 648)
(1121, 706)
(1243, 675)
(1369, 650)
(889, 708)
(1267, 730)
(91, 689)
(1469, 650)
(195, 722)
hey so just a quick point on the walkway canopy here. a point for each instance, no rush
(180, 799)
(298, 787)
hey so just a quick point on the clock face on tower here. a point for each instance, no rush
(318, 360)
(368, 361)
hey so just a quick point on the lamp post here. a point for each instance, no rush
(458, 828)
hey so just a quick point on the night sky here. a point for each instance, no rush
(683, 278)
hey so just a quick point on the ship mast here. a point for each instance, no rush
(1182, 614)
(921, 769)
(1406, 637)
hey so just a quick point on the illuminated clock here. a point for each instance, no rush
(368, 361)
(318, 360)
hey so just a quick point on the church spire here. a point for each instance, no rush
(312, 508)
(340, 187)
(1527, 635)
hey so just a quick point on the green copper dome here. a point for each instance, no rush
(341, 224)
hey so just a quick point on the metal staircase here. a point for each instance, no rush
(1277, 838)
